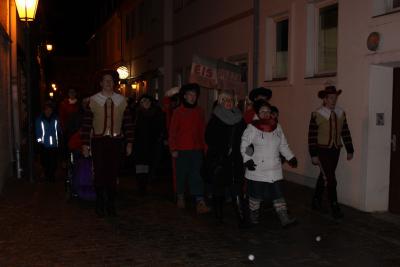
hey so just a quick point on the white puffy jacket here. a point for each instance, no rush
(267, 147)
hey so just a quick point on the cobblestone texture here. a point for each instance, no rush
(38, 227)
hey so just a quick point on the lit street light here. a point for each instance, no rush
(49, 47)
(26, 12)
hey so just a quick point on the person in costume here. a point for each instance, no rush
(328, 132)
(224, 163)
(263, 166)
(259, 93)
(186, 143)
(107, 126)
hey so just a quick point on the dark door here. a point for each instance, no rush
(394, 188)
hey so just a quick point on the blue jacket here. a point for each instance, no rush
(48, 131)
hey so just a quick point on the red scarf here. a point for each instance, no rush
(265, 125)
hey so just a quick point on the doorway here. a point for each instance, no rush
(394, 187)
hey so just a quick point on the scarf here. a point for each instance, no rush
(264, 125)
(228, 116)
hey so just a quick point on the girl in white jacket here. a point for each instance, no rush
(263, 165)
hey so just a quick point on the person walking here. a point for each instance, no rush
(263, 166)
(186, 143)
(224, 163)
(48, 134)
(149, 132)
(107, 122)
(259, 93)
(328, 131)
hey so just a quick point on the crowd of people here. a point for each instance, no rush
(235, 155)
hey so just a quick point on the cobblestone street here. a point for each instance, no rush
(40, 228)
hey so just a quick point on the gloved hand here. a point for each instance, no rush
(250, 165)
(293, 162)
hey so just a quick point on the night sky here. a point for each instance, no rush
(68, 25)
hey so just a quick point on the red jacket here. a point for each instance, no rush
(66, 111)
(187, 128)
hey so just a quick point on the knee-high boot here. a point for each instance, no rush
(241, 209)
(100, 201)
(219, 207)
(318, 193)
(281, 210)
(111, 202)
(142, 180)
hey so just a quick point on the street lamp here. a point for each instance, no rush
(123, 72)
(26, 9)
(49, 47)
(27, 12)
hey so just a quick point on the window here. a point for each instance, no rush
(142, 18)
(381, 7)
(396, 4)
(178, 4)
(277, 47)
(327, 39)
(128, 27)
(133, 24)
(281, 51)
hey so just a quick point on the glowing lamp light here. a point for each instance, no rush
(51, 94)
(134, 86)
(54, 86)
(123, 72)
(26, 9)
(49, 47)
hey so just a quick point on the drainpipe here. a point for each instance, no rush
(256, 40)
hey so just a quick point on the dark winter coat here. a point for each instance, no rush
(149, 131)
(221, 167)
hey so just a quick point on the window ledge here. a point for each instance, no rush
(322, 75)
(277, 79)
(387, 13)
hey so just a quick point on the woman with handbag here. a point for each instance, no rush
(224, 162)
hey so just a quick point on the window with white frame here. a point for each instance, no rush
(277, 56)
(322, 30)
(327, 39)
(381, 7)
(281, 59)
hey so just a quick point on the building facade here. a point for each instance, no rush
(158, 40)
(308, 44)
(11, 87)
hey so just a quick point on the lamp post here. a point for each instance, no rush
(26, 12)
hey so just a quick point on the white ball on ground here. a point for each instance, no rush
(318, 238)
(251, 257)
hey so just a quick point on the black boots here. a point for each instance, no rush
(100, 201)
(105, 202)
(218, 202)
(336, 212)
(142, 180)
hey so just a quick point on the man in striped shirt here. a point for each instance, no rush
(328, 132)
(107, 122)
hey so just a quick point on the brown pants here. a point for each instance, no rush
(107, 156)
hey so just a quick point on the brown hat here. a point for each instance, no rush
(329, 90)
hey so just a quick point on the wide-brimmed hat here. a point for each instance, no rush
(260, 91)
(329, 90)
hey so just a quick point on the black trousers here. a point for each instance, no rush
(328, 158)
(48, 159)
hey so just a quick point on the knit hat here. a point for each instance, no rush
(260, 91)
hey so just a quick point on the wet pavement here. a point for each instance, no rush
(38, 227)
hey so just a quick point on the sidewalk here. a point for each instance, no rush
(39, 228)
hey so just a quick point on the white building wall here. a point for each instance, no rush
(366, 80)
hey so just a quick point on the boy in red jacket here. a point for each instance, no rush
(186, 141)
